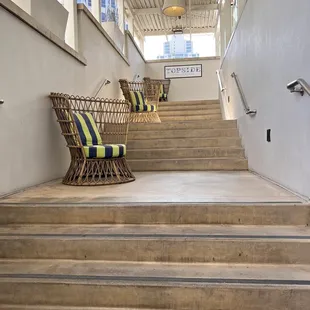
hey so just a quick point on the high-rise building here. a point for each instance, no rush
(178, 47)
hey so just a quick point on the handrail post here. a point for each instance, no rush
(247, 109)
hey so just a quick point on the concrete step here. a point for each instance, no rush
(183, 107)
(45, 307)
(192, 244)
(190, 103)
(183, 125)
(185, 153)
(182, 133)
(191, 117)
(156, 213)
(185, 143)
(151, 285)
(189, 164)
(189, 112)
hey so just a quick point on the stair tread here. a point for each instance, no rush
(189, 113)
(268, 233)
(191, 124)
(46, 307)
(234, 129)
(175, 103)
(189, 107)
(190, 148)
(162, 273)
(190, 138)
(193, 158)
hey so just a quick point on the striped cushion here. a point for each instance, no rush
(145, 108)
(87, 128)
(137, 98)
(161, 90)
(105, 151)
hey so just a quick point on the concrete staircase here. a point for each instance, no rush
(192, 136)
(155, 256)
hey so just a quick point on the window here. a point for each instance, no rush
(110, 11)
(85, 2)
(179, 46)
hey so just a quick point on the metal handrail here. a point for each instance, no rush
(1, 101)
(247, 109)
(103, 83)
(222, 88)
(303, 87)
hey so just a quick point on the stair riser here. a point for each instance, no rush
(208, 297)
(189, 165)
(186, 250)
(194, 102)
(163, 107)
(35, 307)
(191, 118)
(190, 112)
(181, 125)
(175, 143)
(170, 134)
(157, 214)
(184, 153)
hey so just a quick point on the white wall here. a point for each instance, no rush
(32, 149)
(271, 48)
(202, 88)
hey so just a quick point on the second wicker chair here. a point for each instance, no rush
(144, 99)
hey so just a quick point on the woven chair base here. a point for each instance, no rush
(98, 172)
(146, 117)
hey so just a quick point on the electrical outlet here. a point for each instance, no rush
(268, 135)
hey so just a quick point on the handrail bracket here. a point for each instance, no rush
(299, 86)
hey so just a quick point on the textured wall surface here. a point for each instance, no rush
(32, 149)
(271, 48)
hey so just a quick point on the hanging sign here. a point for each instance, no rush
(185, 71)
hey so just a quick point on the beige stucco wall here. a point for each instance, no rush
(32, 150)
(201, 88)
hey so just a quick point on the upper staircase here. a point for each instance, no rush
(190, 110)
(192, 136)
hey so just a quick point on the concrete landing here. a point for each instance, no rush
(179, 187)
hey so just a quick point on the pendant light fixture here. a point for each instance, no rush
(174, 8)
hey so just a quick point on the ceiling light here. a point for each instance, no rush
(177, 30)
(174, 8)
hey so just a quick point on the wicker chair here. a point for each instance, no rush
(150, 93)
(164, 87)
(100, 163)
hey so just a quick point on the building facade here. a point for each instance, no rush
(178, 47)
